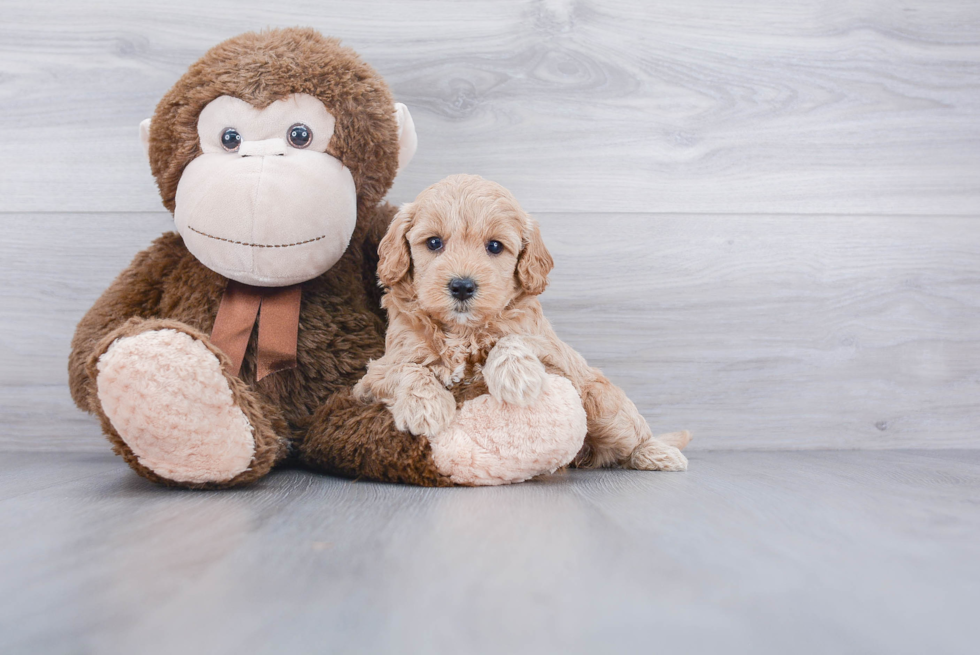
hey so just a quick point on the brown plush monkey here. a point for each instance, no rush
(274, 152)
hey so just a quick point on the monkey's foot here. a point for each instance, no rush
(493, 442)
(165, 394)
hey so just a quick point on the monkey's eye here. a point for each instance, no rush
(299, 136)
(495, 247)
(433, 243)
(231, 139)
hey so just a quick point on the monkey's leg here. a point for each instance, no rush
(355, 440)
(174, 415)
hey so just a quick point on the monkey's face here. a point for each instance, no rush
(263, 182)
(265, 204)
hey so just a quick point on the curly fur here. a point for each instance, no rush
(500, 335)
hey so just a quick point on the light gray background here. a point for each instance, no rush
(764, 214)
(765, 221)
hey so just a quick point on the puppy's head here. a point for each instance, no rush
(464, 250)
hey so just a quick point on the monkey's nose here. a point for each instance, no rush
(462, 288)
(264, 148)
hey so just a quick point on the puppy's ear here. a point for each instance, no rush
(395, 257)
(535, 262)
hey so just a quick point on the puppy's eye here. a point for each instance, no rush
(299, 136)
(495, 247)
(433, 243)
(231, 139)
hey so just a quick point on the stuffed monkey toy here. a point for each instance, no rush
(232, 345)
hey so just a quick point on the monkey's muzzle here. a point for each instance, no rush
(272, 216)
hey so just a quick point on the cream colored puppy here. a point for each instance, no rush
(463, 266)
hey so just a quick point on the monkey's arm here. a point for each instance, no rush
(349, 438)
(485, 442)
(135, 293)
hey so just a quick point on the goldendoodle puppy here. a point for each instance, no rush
(463, 266)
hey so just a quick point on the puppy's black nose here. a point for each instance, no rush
(462, 288)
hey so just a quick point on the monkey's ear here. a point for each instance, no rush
(408, 140)
(535, 262)
(145, 136)
(394, 254)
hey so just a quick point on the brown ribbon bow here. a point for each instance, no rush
(278, 326)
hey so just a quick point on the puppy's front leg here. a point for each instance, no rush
(415, 398)
(513, 373)
(422, 405)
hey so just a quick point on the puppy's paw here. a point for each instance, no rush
(513, 372)
(423, 408)
(362, 391)
(653, 455)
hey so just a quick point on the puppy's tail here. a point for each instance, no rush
(676, 439)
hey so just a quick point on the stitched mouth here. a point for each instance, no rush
(255, 245)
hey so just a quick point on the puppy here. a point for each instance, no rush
(463, 266)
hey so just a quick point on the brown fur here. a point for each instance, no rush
(433, 341)
(307, 411)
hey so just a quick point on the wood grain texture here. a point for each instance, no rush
(702, 106)
(851, 328)
(751, 331)
(820, 552)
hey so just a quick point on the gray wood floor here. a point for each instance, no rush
(775, 552)
(764, 214)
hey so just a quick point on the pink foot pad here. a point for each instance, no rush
(491, 442)
(166, 396)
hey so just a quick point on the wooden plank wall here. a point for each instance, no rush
(765, 214)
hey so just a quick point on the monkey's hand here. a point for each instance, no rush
(513, 372)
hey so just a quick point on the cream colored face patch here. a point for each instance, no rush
(265, 204)
(273, 122)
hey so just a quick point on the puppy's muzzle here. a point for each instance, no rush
(462, 288)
